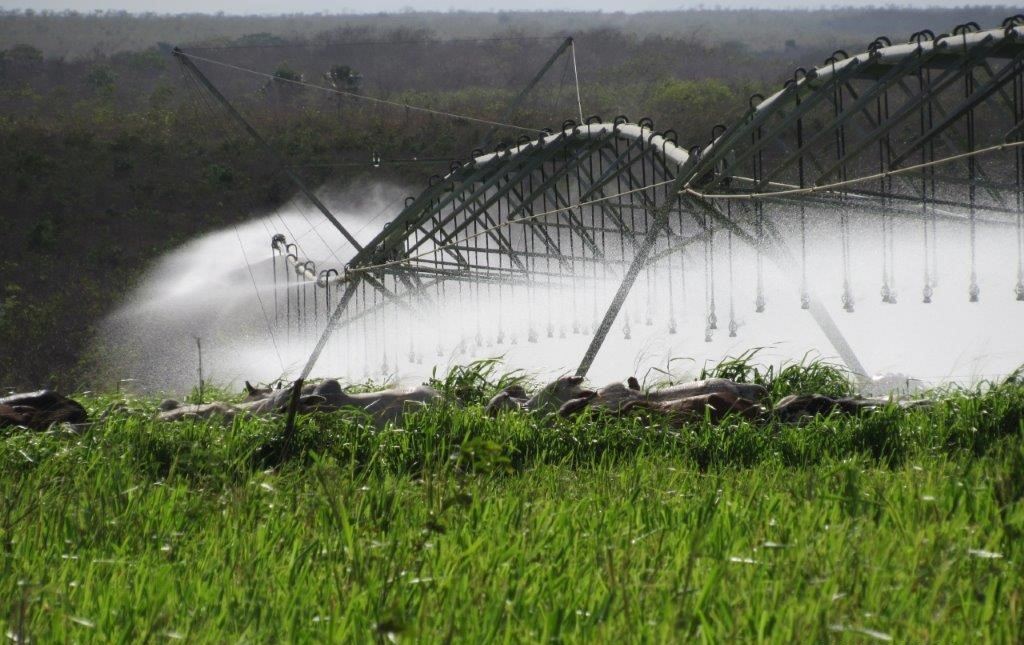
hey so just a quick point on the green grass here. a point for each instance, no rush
(471, 529)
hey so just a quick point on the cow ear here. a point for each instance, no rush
(575, 380)
(249, 388)
(633, 384)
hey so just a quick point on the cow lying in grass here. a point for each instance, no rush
(550, 398)
(383, 407)
(686, 401)
(798, 407)
(39, 410)
(714, 398)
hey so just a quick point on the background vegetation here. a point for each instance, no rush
(110, 158)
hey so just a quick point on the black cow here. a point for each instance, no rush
(39, 410)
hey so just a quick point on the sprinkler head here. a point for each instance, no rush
(974, 292)
(672, 326)
(927, 299)
(732, 328)
(886, 294)
(712, 321)
(805, 301)
(707, 334)
(1019, 290)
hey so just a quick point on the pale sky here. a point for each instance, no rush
(373, 6)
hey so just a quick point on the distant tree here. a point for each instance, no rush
(699, 104)
(259, 40)
(284, 85)
(43, 236)
(22, 53)
(101, 78)
(285, 73)
(345, 79)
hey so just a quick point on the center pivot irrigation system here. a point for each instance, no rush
(572, 227)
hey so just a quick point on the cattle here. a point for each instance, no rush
(253, 393)
(568, 397)
(798, 407)
(13, 416)
(554, 395)
(173, 411)
(748, 391)
(39, 410)
(549, 399)
(716, 406)
(718, 393)
(385, 406)
(713, 398)
(514, 397)
(266, 399)
(611, 398)
(168, 404)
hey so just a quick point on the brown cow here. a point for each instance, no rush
(514, 397)
(717, 406)
(385, 406)
(611, 398)
(749, 391)
(217, 409)
(554, 395)
(617, 398)
(797, 407)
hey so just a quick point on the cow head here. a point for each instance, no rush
(168, 404)
(253, 393)
(553, 395)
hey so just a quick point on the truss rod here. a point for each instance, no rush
(184, 59)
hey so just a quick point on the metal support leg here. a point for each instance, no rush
(639, 260)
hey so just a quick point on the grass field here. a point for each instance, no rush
(901, 525)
